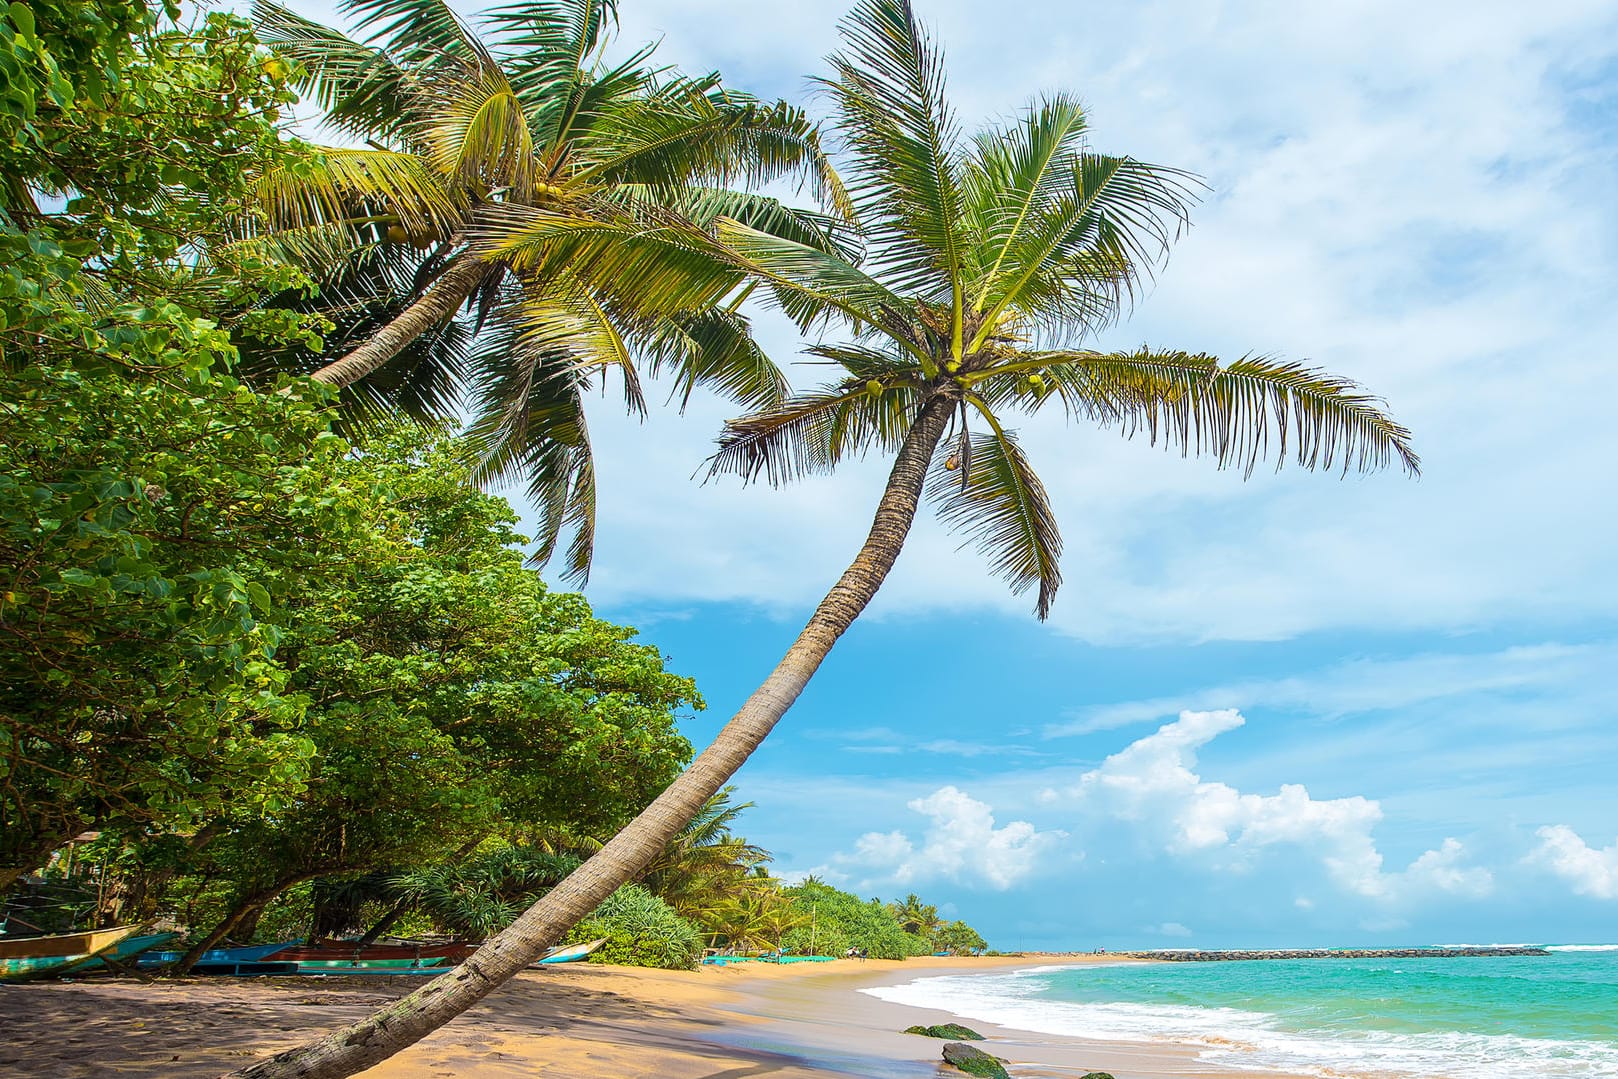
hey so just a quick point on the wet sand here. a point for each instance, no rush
(796, 1021)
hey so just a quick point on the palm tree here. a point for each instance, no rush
(705, 862)
(613, 169)
(991, 261)
(915, 917)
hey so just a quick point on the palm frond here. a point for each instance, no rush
(420, 32)
(888, 85)
(529, 425)
(340, 184)
(474, 130)
(1233, 411)
(811, 285)
(360, 88)
(715, 349)
(655, 268)
(994, 497)
(548, 51)
(690, 135)
(813, 432)
(705, 206)
(1083, 251)
(1011, 177)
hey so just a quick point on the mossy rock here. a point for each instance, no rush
(974, 1061)
(947, 1030)
(1096, 1075)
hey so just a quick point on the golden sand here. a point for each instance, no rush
(797, 1021)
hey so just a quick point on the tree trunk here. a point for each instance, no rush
(9, 875)
(413, 1017)
(441, 300)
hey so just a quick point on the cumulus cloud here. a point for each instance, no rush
(1154, 783)
(961, 843)
(1590, 871)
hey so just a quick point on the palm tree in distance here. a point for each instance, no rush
(616, 168)
(991, 261)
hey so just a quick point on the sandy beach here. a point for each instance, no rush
(791, 1022)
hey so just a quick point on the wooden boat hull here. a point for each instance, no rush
(217, 957)
(129, 950)
(339, 966)
(33, 957)
(455, 950)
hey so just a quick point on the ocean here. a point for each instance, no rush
(1553, 1016)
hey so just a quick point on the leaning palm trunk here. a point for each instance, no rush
(436, 306)
(413, 1017)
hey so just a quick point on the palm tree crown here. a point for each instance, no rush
(992, 260)
(608, 171)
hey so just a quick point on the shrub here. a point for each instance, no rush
(640, 931)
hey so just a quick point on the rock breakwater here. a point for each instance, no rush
(1189, 956)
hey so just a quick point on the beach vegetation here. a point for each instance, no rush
(639, 930)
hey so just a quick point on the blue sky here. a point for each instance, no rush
(1295, 710)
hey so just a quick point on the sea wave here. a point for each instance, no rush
(1581, 947)
(1256, 1041)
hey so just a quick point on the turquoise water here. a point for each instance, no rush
(1549, 1016)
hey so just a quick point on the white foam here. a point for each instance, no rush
(1254, 1041)
(1581, 947)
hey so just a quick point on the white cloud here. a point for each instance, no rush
(1153, 783)
(1168, 929)
(1590, 871)
(1441, 870)
(961, 844)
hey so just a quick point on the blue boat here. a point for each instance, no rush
(569, 954)
(248, 959)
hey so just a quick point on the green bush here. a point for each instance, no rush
(640, 931)
(840, 921)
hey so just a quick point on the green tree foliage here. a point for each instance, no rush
(839, 920)
(640, 930)
(958, 938)
(448, 695)
(150, 506)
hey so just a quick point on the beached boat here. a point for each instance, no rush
(344, 966)
(126, 953)
(326, 950)
(246, 959)
(571, 953)
(32, 957)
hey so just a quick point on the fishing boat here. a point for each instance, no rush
(246, 959)
(351, 951)
(33, 957)
(359, 966)
(126, 952)
(571, 953)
